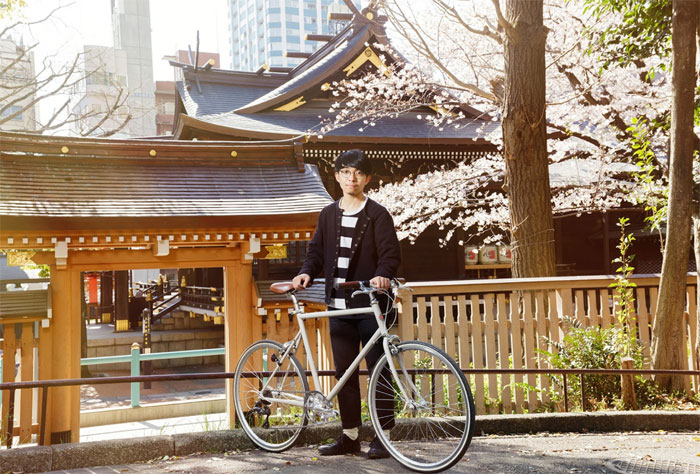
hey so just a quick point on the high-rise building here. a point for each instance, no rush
(117, 96)
(17, 101)
(131, 25)
(261, 31)
(99, 100)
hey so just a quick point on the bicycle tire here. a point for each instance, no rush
(434, 430)
(272, 426)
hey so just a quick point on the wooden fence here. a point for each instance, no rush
(20, 363)
(478, 324)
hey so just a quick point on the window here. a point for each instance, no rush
(13, 109)
(100, 78)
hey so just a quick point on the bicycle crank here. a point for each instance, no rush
(319, 408)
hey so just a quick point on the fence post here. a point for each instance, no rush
(629, 399)
(135, 372)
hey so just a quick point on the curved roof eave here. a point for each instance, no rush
(187, 122)
(311, 77)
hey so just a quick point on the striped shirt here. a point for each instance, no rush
(347, 229)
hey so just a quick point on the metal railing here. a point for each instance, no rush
(135, 359)
(46, 384)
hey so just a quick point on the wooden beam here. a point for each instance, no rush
(319, 37)
(297, 54)
(280, 69)
(86, 260)
(111, 237)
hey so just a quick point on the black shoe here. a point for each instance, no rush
(343, 445)
(377, 450)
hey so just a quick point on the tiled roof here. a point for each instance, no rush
(151, 179)
(218, 98)
(346, 47)
(281, 125)
(241, 105)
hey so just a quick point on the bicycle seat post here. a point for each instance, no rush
(295, 302)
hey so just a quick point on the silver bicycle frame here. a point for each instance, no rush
(381, 332)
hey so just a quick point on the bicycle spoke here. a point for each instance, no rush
(267, 400)
(433, 425)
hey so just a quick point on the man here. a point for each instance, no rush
(355, 239)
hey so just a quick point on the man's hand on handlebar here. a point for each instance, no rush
(301, 281)
(380, 282)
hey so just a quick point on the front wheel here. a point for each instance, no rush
(268, 393)
(434, 422)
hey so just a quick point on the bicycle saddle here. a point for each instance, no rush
(281, 287)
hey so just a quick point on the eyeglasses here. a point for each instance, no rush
(349, 173)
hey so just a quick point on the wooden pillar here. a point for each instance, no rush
(106, 299)
(63, 409)
(9, 348)
(239, 320)
(606, 243)
(45, 365)
(121, 300)
(26, 374)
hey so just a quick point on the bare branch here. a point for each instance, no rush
(452, 12)
(505, 24)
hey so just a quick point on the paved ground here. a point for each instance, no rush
(544, 453)
(165, 426)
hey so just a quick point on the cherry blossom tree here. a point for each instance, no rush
(456, 64)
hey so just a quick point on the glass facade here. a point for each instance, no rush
(261, 31)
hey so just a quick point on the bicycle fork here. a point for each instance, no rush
(410, 395)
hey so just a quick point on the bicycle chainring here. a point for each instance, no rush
(319, 409)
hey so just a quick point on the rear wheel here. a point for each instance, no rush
(262, 384)
(434, 426)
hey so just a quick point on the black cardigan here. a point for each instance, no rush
(375, 248)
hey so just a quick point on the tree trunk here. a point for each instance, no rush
(668, 323)
(696, 232)
(524, 141)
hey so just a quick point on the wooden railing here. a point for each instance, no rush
(478, 324)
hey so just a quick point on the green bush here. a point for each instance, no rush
(592, 348)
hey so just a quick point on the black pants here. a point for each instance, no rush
(346, 335)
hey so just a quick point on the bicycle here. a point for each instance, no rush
(433, 404)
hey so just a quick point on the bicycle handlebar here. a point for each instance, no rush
(283, 287)
(365, 285)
